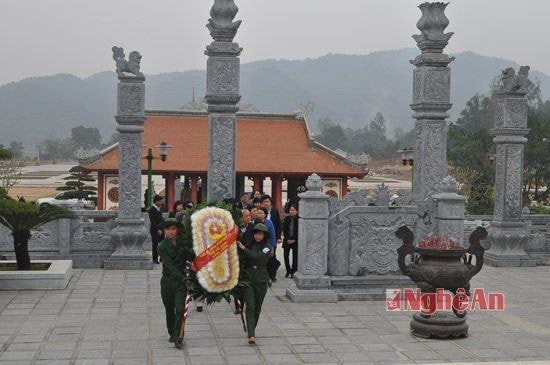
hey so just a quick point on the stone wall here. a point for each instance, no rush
(538, 228)
(85, 240)
(362, 239)
(348, 248)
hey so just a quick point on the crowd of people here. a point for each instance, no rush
(260, 231)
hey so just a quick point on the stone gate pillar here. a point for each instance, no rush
(222, 96)
(312, 281)
(431, 99)
(449, 211)
(508, 235)
(130, 233)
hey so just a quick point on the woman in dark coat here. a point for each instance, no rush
(290, 241)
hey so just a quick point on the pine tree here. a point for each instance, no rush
(76, 188)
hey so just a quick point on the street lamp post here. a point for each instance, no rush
(163, 152)
(407, 156)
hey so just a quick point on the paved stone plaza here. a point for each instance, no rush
(116, 317)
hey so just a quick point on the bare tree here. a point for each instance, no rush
(10, 172)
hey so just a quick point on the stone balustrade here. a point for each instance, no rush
(85, 240)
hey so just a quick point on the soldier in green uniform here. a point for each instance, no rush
(172, 286)
(255, 272)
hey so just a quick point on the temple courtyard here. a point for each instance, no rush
(116, 317)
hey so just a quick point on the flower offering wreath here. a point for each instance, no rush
(212, 264)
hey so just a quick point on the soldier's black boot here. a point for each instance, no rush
(178, 343)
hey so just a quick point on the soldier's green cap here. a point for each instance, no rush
(261, 227)
(169, 222)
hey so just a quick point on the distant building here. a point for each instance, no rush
(277, 146)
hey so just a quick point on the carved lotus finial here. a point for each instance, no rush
(360, 159)
(383, 195)
(314, 183)
(221, 25)
(432, 24)
(448, 185)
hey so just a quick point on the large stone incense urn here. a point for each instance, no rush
(439, 266)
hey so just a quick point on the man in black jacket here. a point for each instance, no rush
(244, 203)
(155, 217)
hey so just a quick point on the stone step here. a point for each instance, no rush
(373, 281)
(368, 287)
(355, 295)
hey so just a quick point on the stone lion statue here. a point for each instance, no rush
(130, 66)
(510, 82)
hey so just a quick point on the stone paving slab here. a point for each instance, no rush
(117, 317)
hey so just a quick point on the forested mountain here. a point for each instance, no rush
(349, 90)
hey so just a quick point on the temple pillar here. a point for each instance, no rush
(194, 196)
(203, 188)
(261, 184)
(100, 191)
(130, 233)
(277, 191)
(508, 234)
(170, 190)
(222, 96)
(311, 282)
(240, 187)
(431, 100)
(345, 187)
(291, 193)
(258, 184)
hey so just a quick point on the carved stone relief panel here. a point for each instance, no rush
(499, 115)
(431, 85)
(338, 246)
(92, 236)
(417, 173)
(513, 188)
(6, 240)
(432, 155)
(418, 85)
(313, 248)
(130, 175)
(45, 238)
(515, 113)
(373, 244)
(223, 75)
(131, 98)
(221, 150)
(500, 182)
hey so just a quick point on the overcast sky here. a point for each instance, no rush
(45, 37)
